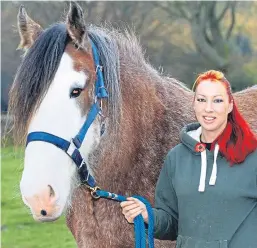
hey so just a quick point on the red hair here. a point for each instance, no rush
(237, 140)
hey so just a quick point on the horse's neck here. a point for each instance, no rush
(129, 162)
(151, 115)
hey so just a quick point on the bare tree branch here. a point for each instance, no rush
(206, 36)
(218, 41)
(196, 9)
(207, 51)
(182, 10)
(222, 14)
(168, 9)
(205, 26)
(233, 7)
(211, 48)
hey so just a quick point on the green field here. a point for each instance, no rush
(18, 229)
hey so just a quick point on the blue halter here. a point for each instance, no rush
(71, 148)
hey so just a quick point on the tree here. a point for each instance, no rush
(210, 38)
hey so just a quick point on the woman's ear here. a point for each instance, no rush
(230, 108)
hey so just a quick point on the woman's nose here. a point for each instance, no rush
(208, 107)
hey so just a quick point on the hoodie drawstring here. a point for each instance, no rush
(203, 171)
(195, 134)
(214, 168)
(213, 177)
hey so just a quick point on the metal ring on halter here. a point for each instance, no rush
(100, 67)
(115, 196)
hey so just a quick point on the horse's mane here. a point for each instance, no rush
(109, 56)
(34, 77)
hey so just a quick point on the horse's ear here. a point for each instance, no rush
(76, 26)
(28, 29)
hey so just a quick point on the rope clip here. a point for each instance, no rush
(93, 191)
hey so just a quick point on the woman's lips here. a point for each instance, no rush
(209, 119)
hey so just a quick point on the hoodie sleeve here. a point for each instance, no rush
(165, 209)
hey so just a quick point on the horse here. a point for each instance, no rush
(140, 122)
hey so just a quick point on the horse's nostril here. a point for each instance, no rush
(51, 191)
(43, 212)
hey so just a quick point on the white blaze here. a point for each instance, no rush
(60, 115)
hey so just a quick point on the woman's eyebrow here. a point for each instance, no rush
(211, 96)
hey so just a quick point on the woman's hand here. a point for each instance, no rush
(132, 208)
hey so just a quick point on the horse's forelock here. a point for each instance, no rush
(34, 77)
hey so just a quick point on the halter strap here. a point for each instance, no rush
(72, 148)
(93, 112)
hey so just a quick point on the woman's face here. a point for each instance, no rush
(212, 106)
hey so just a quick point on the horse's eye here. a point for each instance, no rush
(75, 92)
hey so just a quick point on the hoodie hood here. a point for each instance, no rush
(190, 137)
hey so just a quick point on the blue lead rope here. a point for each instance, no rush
(139, 225)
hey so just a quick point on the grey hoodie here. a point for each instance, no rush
(201, 201)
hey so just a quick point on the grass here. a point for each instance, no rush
(18, 229)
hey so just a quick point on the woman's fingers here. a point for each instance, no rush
(132, 211)
(132, 207)
(130, 218)
(129, 201)
(133, 199)
(129, 207)
(126, 203)
(135, 214)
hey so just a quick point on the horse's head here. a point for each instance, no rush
(53, 92)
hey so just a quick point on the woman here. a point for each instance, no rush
(206, 194)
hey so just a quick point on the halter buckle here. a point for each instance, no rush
(93, 191)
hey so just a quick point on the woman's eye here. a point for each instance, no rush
(200, 100)
(75, 93)
(218, 100)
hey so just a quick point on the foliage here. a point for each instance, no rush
(18, 228)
